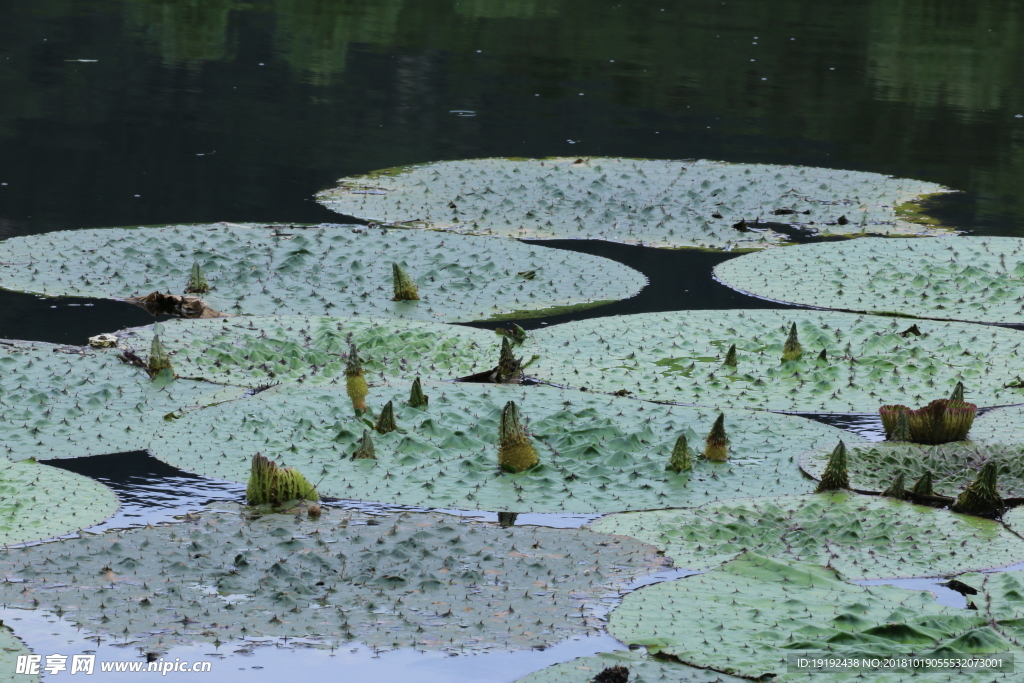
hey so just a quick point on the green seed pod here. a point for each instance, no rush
(159, 363)
(923, 486)
(896, 489)
(355, 382)
(515, 452)
(365, 451)
(417, 399)
(716, 445)
(792, 350)
(270, 484)
(981, 497)
(386, 419)
(958, 393)
(835, 476)
(197, 283)
(730, 357)
(405, 288)
(680, 460)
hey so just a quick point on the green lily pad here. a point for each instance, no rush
(745, 617)
(864, 537)
(873, 467)
(38, 502)
(425, 581)
(642, 669)
(69, 401)
(319, 270)
(597, 453)
(313, 350)
(999, 425)
(679, 357)
(652, 202)
(974, 279)
(11, 648)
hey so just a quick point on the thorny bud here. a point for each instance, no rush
(405, 288)
(730, 357)
(386, 419)
(896, 489)
(515, 452)
(159, 362)
(980, 497)
(716, 445)
(680, 460)
(365, 451)
(274, 485)
(835, 476)
(355, 382)
(923, 486)
(417, 399)
(792, 349)
(197, 283)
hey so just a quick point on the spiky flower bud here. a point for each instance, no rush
(730, 357)
(792, 350)
(518, 334)
(508, 365)
(902, 430)
(716, 445)
(197, 283)
(159, 363)
(515, 452)
(923, 486)
(270, 484)
(386, 419)
(417, 399)
(835, 476)
(365, 451)
(981, 497)
(890, 418)
(896, 489)
(355, 382)
(405, 288)
(680, 460)
(958, 392)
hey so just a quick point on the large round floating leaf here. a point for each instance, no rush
(864, 537)
(974, 279)
(869, 362)
(68, 401)
(38, 502)
(313, 350)
(597, 453)
(657, 203)
(11, 648)
(999, 425)
(952, 466)
(319, 270)
(411, 580)
(641, 668)
(745, 617)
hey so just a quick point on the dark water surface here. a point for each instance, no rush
(135, 112)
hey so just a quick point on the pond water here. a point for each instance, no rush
(140, 112)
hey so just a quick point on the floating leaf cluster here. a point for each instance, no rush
(864, 537)
(745, 617)
(973, 279)
(39, 501)
(410, 580)
(678, 357)
(317, 270)
(706, 204)
(596, 453)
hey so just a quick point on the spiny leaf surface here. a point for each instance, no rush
(316, 270)
(653, 202)
(677, 357)
(864, 537)
(597, 453)
(973, 279)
